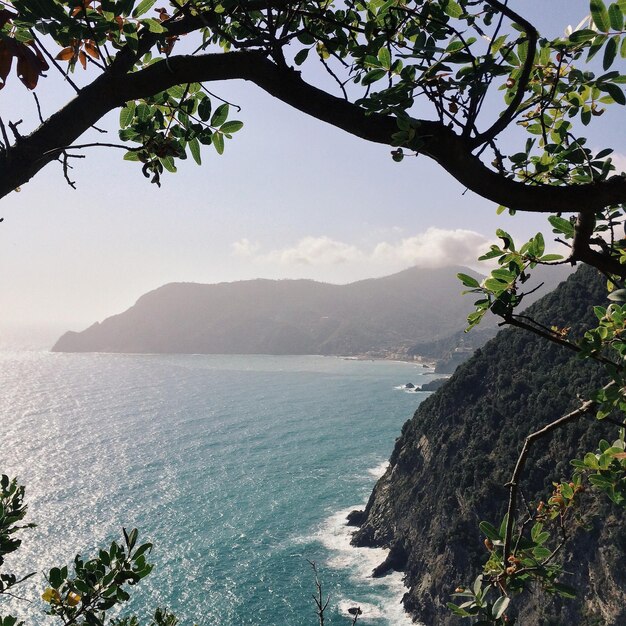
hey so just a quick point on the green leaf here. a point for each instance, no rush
(177, 91)
(561, 225)
(564, 590)
(504, 275)
(204, 109)
(500, 606)
(231, 127)
(143, 7)
(610, 52)
(131, 537)
(384, 56)
(616, 17)
(580, 36)
(168, 164)
(372, 76)
(300, 58)
(153, 25)
(468, 281)
(541, 553)
(127, 113)
(600, 15)
(614, 91)
(495, 285)
(218, 142)
(453, 9)
(194, 148)
(619, 295)
(220, 115)
(551, 257)
(55, 578)
(457, 610)
(490, 531)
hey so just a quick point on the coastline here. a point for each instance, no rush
(383, 602)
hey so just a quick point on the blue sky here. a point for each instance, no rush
(291, 197)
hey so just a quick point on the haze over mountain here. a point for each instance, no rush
(285, 317)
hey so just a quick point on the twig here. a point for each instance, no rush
(318, 597)
(507, 117)
(213, 95)
(54, 62)
(95, 144)
(67, 167)
(7, 143)
(517, 320)
(14, 595)
(513, 484)
(38, 107)
(16, 133)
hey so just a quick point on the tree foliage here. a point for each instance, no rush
(95, 586)
(390, 62)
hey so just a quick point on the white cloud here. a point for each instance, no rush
(245, 248)
(308, 251)
(435, 247)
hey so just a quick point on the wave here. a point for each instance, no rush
(384, 595)
(378, 470)
(381, 600)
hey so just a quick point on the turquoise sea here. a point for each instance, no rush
(237, 468)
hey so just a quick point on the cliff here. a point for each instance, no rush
(450, 463)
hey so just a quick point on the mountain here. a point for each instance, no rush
(377, 316)
(284, 316)
(449, 466)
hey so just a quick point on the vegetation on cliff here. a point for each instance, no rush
(449, 469)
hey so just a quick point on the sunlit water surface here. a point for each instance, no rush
(237, 468)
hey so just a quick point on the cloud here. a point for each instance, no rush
(245, 248)
(308, 251)
(435, 247)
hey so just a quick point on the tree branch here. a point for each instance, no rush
(507, 117)
(513, 484)
(117, 86)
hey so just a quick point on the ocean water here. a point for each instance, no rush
(239, 469)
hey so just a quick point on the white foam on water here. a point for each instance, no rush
(368, 611)
(378, 471)
(383, 604)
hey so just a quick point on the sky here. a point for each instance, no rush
(290, 198)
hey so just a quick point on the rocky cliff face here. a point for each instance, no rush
(449, 466)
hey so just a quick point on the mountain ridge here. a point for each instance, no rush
(299, 316)
(374, 317)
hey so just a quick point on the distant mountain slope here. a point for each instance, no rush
(284, 316)
(453, 458)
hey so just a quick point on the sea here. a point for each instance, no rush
(239, 469)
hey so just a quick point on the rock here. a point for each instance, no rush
(433, 385)
(409, 386)
(395, 561)
(356, 517)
